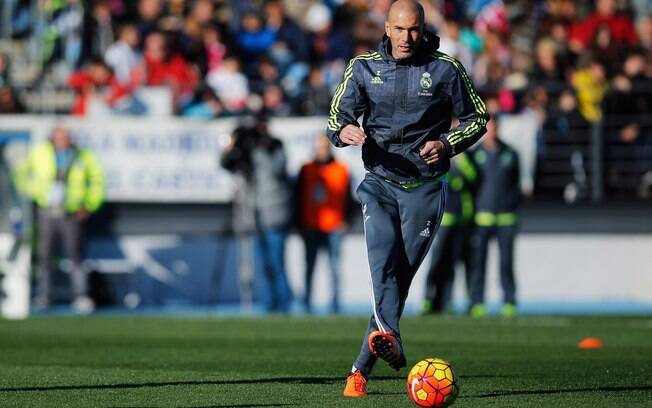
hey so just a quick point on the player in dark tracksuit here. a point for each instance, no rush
(451, 244)
(496, 201)
(407, 92)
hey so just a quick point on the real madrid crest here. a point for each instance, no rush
(426, 81)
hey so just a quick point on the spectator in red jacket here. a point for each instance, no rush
(95, 81)
(160, 67)
(620, 26)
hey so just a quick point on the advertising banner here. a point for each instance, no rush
(174, 160)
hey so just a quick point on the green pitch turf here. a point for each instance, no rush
(301, 362)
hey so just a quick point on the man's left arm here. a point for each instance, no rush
(471, 113)
(94, 183)
(468, 108)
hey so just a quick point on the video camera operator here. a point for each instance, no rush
(263, 202)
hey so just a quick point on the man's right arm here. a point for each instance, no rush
(347, 105)
(23, 176)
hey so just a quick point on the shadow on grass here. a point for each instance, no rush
(386, 393)
(244, 405)
(279, 380)
(508, 393)
(473, 376)
(227, 406)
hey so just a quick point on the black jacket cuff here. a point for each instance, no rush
(448, 147)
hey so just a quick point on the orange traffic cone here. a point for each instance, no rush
(590, 343)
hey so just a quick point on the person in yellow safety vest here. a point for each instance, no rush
(67, 184)
(496, 202)
(452, 241)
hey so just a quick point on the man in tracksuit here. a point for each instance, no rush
(497, 198)
(452, 242)
(407, 93)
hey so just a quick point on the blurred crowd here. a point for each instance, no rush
(285, 57)
(217, 58)
(557, 66)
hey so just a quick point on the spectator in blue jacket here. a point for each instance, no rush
(254, 39)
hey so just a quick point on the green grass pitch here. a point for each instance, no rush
(301, 362)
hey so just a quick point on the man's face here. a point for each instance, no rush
(203, 11)
(492, 135)
(61, 138)
(251, 23)
(131, 36)
(606, 7)
(322, 149)
(452, 29)
(149, 9)
(274, 10)
(155, 47)
(405, 31)
(99, 73)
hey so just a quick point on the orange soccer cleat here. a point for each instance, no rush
(387, 347)
(356, 385)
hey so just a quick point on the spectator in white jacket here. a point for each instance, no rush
(230, 85)
(123, 55)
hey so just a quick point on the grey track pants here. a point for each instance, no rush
(51, 229)
(505, 235)
(399, 227)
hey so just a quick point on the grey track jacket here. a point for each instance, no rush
(404, 104)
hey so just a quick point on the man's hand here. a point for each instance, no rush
(352, 135)
(433, 151)
(82, 215)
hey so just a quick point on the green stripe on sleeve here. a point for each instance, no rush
(478, 104)
(333, 123)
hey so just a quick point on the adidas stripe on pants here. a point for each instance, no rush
(400, 225)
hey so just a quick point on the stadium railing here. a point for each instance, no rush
(594, 161)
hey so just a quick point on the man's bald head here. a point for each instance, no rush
(411, 7)
(404, 27)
